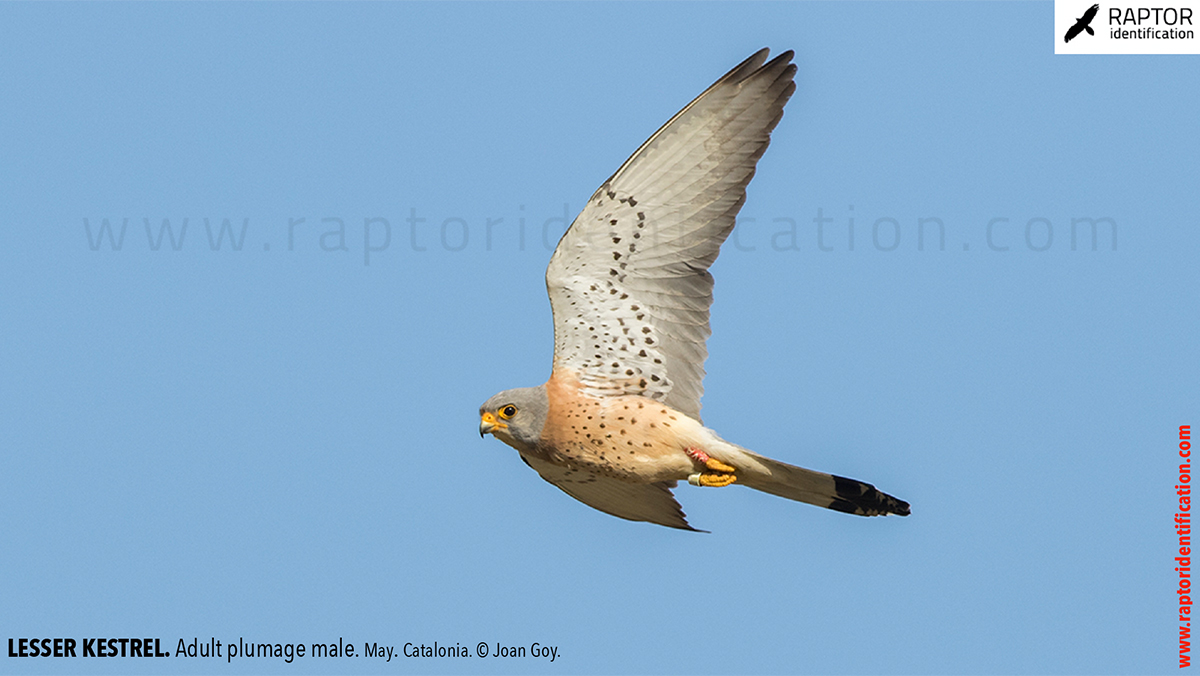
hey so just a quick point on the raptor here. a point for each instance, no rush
(617, 425)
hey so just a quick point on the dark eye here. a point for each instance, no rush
(508, 411)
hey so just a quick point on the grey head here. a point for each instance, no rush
(515, 417)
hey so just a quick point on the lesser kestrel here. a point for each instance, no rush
(618, 422)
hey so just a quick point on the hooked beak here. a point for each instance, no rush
(489, 424)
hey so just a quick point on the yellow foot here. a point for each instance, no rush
(718, 466)
(709, 461)
(713, 480)
(720, 474)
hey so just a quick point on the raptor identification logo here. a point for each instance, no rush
(1126, 27)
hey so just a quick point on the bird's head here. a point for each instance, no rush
(515, 416)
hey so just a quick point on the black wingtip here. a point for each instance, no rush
(785, 57)
(685, 526)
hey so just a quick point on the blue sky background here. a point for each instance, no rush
(280, 442)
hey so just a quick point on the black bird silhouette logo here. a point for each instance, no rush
(1082, 23)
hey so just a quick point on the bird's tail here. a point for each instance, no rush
(805, 485)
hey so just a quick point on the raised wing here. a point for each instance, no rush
(629, 281)
(637, 502)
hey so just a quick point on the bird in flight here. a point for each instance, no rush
(1082, 24)
(617, 424)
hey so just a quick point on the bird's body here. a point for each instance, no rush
(617, 425)
(626, 437)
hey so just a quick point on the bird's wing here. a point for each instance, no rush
(1073, 31)
(637, 502)
(1091, 13)
(629, 281)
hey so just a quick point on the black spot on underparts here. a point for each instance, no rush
(641, 215)
(632, 248)
(632, 202)
(628, 372)
(612, 272)
(624, 296)
(616, 255)
(612, 222)
(645, 329)
(654, 378)
(616, 240)
(642, 383)
(611, 194)
(649, 341)
(634, 308)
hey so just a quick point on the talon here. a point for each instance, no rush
(709, 461)
(711, 480)
(718, 466)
